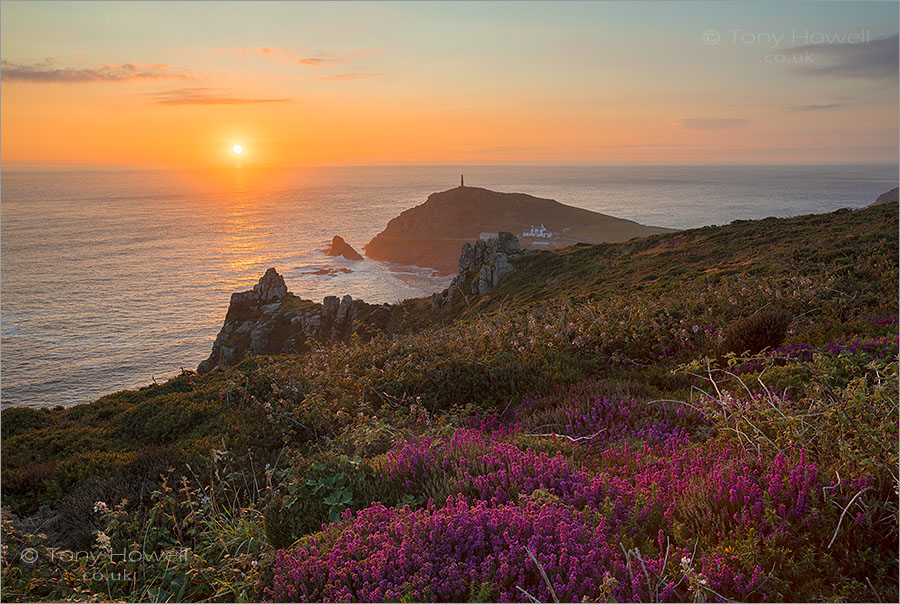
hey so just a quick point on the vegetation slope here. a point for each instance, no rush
(704, 415)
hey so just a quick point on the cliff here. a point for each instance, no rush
(270, 320)
(432, 233)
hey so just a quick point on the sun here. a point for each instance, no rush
(238, 149)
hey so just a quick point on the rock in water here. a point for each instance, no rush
(339, 247)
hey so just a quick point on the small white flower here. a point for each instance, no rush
(103, 541)
(100, 506)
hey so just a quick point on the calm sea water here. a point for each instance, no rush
(112, 279)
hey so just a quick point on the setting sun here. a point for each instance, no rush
(238, 149)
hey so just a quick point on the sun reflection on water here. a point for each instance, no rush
(245, 236)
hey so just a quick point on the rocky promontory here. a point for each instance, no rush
(270, 320)
(892, 196)
(431, 234)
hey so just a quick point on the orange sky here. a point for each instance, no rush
(178, 84)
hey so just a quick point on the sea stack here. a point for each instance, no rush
(339, 247)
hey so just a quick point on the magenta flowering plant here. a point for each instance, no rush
(510, 552)
(631, 504)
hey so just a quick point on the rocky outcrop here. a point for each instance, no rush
(271, 287)
(270, 320)
(892, 196)
(481, 266)
(339, 247)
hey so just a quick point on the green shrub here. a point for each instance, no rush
(764, 329)
(23, 419)
(322, 489)
(26, 488)
(280, 524)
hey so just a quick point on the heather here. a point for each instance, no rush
(619, 513)
(587, 432)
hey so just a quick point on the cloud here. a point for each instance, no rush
(46, 71)
(322, 61)
(284, 55)
(272, 52)
(340, 77)
(710, 123)
(210, 96)
(328, 59)
(815, 107)
(876, 59)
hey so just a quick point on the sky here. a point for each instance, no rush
(178, 84)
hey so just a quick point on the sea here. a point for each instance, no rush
(113, 279)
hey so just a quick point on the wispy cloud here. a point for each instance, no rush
(341, 77)
(876, 59)
(47, 71)
(272, 52)
(815, 107)
(322, 61)
(710, 123)
(210, 96)
(327, 58)
(284, 55)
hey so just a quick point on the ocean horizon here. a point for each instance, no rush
(113, 279)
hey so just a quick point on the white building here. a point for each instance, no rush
(540, 232)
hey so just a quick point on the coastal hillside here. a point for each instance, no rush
(891, 196)
(704, 415)
(432, 233)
